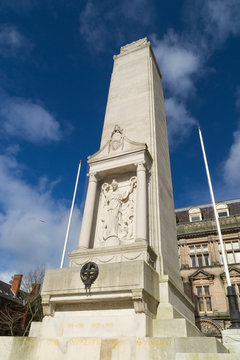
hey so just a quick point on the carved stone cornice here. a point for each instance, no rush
(118, 143)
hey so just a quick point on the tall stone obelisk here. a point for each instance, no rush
(136, 105)
(128, 227)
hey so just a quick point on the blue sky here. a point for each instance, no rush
(55, 68)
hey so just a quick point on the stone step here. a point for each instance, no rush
(205, 356)
(175, 328)
(198, 345)
(127, 348)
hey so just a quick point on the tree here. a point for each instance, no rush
(33, 308)
(11, 318)
(33, 276)
(18, 312)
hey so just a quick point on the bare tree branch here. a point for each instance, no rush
(17, 314)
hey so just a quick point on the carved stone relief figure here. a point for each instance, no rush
(126, 218)
(117, 213)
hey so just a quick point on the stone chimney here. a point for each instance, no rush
(35, 289)
(16, 283)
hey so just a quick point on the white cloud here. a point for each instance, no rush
(211, 22)
(178, 63)
(32, 222)
(182, 58)
(179, 121)
(92, 28)
(6, 276)
(31, 122)
(105, 22)
(136, 10)
(222, 18)
(231, 166)
(21, 117)
(238, 98)
(11, 40)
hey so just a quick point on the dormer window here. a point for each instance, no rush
(222, 209)
(195, 214)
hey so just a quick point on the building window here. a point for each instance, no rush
(193, 261)
(222, 209)
(232, 249)
(195, 214)
(203, 299)
(199, 255)
(206, 259)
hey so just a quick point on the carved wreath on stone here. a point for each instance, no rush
(89, 274)
(117, 139)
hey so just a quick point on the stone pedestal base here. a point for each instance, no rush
(122, 301)
(105, 323)
(173, 303)
(127, 299)
(129, 314)
(95, 348)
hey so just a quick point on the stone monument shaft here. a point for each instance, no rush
(135, 110)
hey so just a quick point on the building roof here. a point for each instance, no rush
(7, 293)
(207, 224)
(232, 201)
(207, 212)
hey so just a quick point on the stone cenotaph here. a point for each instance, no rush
(135, 306)
(128, 226)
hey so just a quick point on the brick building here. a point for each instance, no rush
(18, 308)
(201, 260)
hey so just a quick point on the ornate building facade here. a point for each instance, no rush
(201, 260)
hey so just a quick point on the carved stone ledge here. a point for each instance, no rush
(48, 307)
(113, 254)
(139, 303)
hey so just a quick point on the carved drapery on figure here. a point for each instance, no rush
(117, 213)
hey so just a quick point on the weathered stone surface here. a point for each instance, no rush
(231, 339)
(200, 356)
(96, 348)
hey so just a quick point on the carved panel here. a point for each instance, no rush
(209, 328)
(116, 215)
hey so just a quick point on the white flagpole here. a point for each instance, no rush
(70, 216)
(215, 211)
